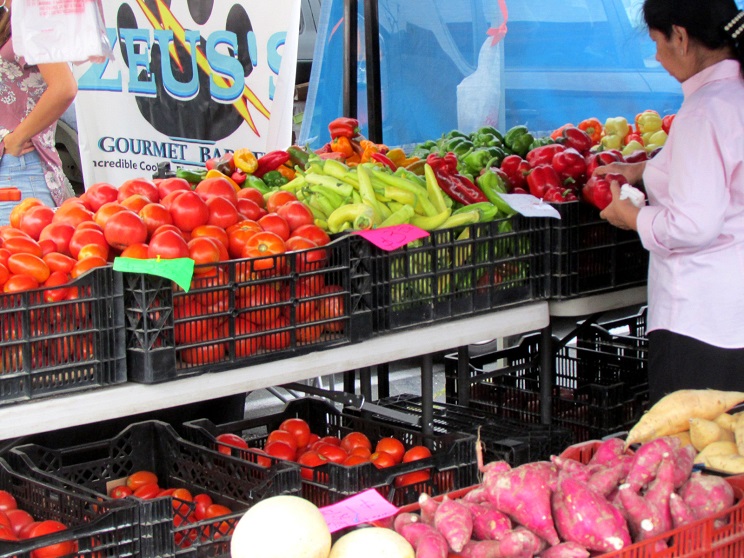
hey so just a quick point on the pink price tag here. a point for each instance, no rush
(361, 508)
(392, 238)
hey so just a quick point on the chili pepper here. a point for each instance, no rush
(516, 169)
(518, 139)
(298, 156)
(569, 163)
(238, 177)
(245, 160)
(192, 176)
(602, 158)
(666, 122)
(593, 127)
(558, 132)
(274, 179)
(447, 163)
(576, 138)
(487, 211)
(615, 130)
(271, 161)
(360, 215)
(558, 195)
(384, 160)
(493, 186)
(344, 127)
(458, 187)
(541, 178)
(543, 155)
(597, 190)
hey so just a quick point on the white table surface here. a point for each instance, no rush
(43, 415)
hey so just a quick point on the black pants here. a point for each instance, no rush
(680, 362)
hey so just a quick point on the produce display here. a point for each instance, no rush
(18, 524)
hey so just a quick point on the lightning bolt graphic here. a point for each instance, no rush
(167, 21)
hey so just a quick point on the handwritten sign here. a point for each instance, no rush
(361, 508)
(392, 238)
(530, 206)
(180, 270)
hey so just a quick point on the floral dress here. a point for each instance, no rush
(21, 86)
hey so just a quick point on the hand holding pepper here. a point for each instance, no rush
(620, 213)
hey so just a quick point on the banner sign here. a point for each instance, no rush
(190, 80)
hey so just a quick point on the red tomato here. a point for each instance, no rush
(361, 451)
(415, 453)
(141, 478)
(334, 454)
(189, 211)
(83, 237)
(299, 429)
(278, 198)
(154, 215)
(89, 225)
(180, 497)
(121, 491)
(86, 264)
(382, 460)
(312, 232)
(222, 528)
(211, 231)
(263, 295)
(252, 194)
(216, 187)
(56, 279)
(28, 264)
(167, 245)
(72, 214)
(26, 530)
(222, 212)
(238, 236)
(310, 333)
(283, 436)
(230, 440)
(99, 194)
(105, 212)
(54, 550)
(278, 336)
(332, 305)
(296, 214)
(173, 184)
(168, 200)
(59, 233)
(7, 501)
(19, 283)
(333, 440)
(261, 245)
(309, 256)
(19, 519)
(6, 533)
(147, 492)
(355, 459)
(140, 186)
(137, 251)
(272, 222)
(280, 450)
(135, 202)
(355, 440)
(93, 250)
(20, 209)
(391, 446)
(4, 274)
(125, 228)
(245, 347)
(249, 209)
(162, 228)
(204, 354)
(309, 460)
(204, 250)
(202, 501)
(35, 219)
(23, 245)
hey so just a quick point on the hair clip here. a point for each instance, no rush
(734, 21)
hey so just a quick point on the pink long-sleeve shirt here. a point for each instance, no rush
(693, 226)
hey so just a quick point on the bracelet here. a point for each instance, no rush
(4, 132)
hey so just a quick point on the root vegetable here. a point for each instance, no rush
(513, 545)
(523, 493)
(571, 466)
(532, 543)
(726, 420)
(680, 511)
(372, 542)
(477, 495)
(607, 479)
(489, 524)
(659, 492)
(585, 517)
(684, 437)
(684, 459)
(733, 464)
(704, 432)
(566, 550)
(608, 451)
(454, 521)
(739, 433)
(706, 495)
(405, 518)
(428, 507)
(671, 414)
(644, 519)
(716, 448)
(647, 459)
(425, 539)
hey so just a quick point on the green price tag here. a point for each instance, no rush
(180, 270)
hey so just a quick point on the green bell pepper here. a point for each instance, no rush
(486, 140)
(456, 134)
(518, 139)
(255, 182)
(539, 142)
(493, 185)
(473, 162)
(274, 179)
(490, 130)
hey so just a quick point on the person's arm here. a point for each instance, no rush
(621, 213)
(633, 172)
(60, 93)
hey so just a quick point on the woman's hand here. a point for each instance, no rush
(633, 172)
(620, 213)
(14, 148)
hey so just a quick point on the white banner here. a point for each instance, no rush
(190, 80)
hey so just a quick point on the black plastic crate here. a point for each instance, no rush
(460, 272)
(452, 464)
(238, 313)
(596, 393)
(96, 529)
(62, 340)
(164, 528)
(502, 439)
(590, 256)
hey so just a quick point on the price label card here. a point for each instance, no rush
(180, 270)
(392, 238)
(530, 206)
(365, 507)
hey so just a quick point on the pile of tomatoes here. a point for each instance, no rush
(293, 441)
(188, 508)
(17, 524)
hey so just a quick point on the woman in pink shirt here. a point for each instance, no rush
(32, 98)
(693, 225)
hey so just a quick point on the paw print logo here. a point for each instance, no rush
(198, 115)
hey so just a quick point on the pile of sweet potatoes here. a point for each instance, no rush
(565, 508)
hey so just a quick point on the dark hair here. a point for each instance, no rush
(4, 26)
(705, 22)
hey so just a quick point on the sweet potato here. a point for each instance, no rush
(644, 519)
(680, 511)
(716, 448)
(671, 414)
(532, 543)
(739, 433)
(706, 495)
(611, 475)
(704, 432)
(404, 519)
(585, 517)
(428, 506)
(684, 459)
(647, 459)
(477, 495)
(513, 545)
(659, 492)
(607, 451)
(574, 468)
(733, 464)
(684, 437)
(726, 420)
(454, 521)
(489, 524)
(523, 493)
(425, 540)
(566, 550)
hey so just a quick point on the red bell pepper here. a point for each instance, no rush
(576, 138)
(666, 122)
(516, 169)
(558, 195)
(344, 126)
(544, 154)
(593, 127)
(541, 178)
(637, 156)
(569, 163)
(270, 161)
(558, 132)
(458, 187)
(597, 190)
(600, 158)
(447, 162)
